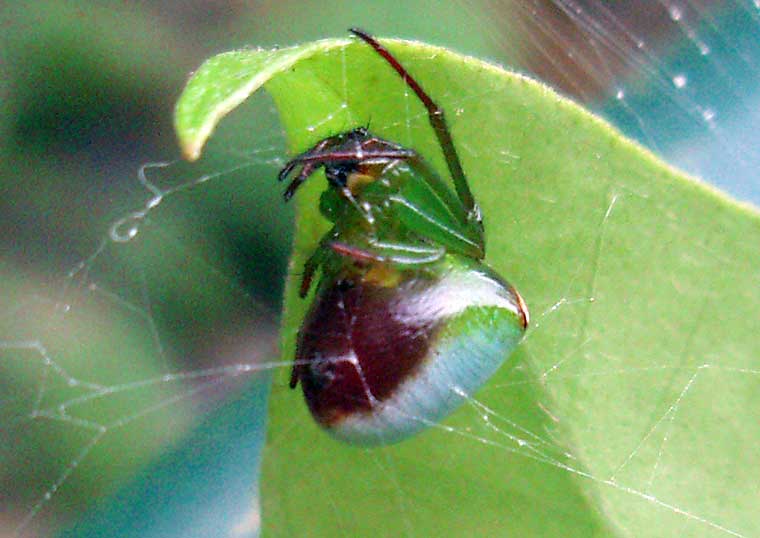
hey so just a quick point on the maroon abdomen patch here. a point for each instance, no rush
(358, 343)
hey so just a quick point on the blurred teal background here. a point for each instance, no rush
(146, 337)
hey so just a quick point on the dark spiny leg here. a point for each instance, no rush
(355, 154)
(307, 170)
(311, 162)
(295, 161)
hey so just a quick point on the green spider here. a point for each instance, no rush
(407, 320)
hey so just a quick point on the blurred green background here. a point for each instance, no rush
(139, 339)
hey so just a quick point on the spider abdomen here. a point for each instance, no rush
(379, 363)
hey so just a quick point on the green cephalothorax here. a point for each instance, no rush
(407, 320)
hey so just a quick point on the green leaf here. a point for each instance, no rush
(631, 407)
(225, 81)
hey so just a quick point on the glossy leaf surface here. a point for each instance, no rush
(632, 410)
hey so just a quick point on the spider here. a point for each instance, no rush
(406, 319)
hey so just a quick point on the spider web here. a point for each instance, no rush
(74, 398)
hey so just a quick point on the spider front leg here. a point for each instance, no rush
(340, 155)
(307, 167)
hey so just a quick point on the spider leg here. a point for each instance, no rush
(298, 159)
(364, 212)
(356, 154)
(287, 169)
(310, 162)
(309, 268)
(437, 121)
(314, 262)
(402, 254)
(357, 254)
(306, 170)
